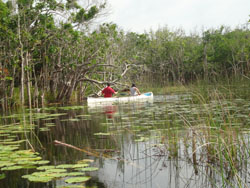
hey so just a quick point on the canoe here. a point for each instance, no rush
(111, 100)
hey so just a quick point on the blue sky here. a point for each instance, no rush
(190, 15)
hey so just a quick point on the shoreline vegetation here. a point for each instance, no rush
(46, 59)
(208, 129)
(48, 54)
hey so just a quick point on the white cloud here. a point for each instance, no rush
(140, 15)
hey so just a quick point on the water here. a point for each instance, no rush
(144, 145)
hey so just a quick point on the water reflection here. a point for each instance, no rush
(167, 143)
(110, 110)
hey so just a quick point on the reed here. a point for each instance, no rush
(214, 137)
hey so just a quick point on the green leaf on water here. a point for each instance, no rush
(40, 174)
(72, 186)
(23, 162)
(2, 176)
(45, 167)
(43, 179)
(85, 161)
(102, 134)
(50, 124)
(55, 115)
(56, 170)
(25, 152)
(57, 175)
(88, 169)
(83, 115)
(73, 120)
(83, 165)
(77, 179)
(28, 167)
(141, 139)
(65, 166)
(47, 119)
(76, 174)
(8, 148)
(44, 129)
(36, 158)
(71, 107)
(23, 131)
(6, 163)
(41, 162)
(12, 168)
(14, 142)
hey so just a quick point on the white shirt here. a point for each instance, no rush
(133, 91)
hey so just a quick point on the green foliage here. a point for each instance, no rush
(72, 4)
(83, 15)
(24, 3)
(63, 55)
(180, 58)
(4, 20)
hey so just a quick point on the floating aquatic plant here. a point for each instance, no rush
(102, 134)
(2, 176)
(46, 167)
(88, 169)
(77, 179)
(51, 172)
(50, 124)
(12, 168)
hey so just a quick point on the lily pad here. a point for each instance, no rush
(43, 179)
(65, 166)
(12, 168)
(50, 124)
(28, 167)
(77, 179)
(76, 174)
(14, 142)
(2, 176)
(56, 170)
(83, 115)
(8, 148)
(72, 186)
(45, 167)
(6, 163)
(88, 169)
(102, 134)
(73, 120)
(57, 175)
(71, 107)
(86, 161)
(55, 115)
(83, 165)
(44, 129)
(36, 158)
(41, 162)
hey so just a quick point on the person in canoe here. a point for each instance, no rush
(108, 91)
(134, 90)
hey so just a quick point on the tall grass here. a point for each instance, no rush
(215, 137)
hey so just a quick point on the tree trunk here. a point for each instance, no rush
(28, 80)
(22, 61)
(12, 86)
(36, 91)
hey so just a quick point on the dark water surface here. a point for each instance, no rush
(142, 145)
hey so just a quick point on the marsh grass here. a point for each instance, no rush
(215, 137)
(209, 131)
(163, 90)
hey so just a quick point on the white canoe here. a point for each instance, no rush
(111, 100)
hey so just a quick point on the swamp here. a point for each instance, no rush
(180, 140)
(54, 55)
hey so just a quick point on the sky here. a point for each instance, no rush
(190, 15)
